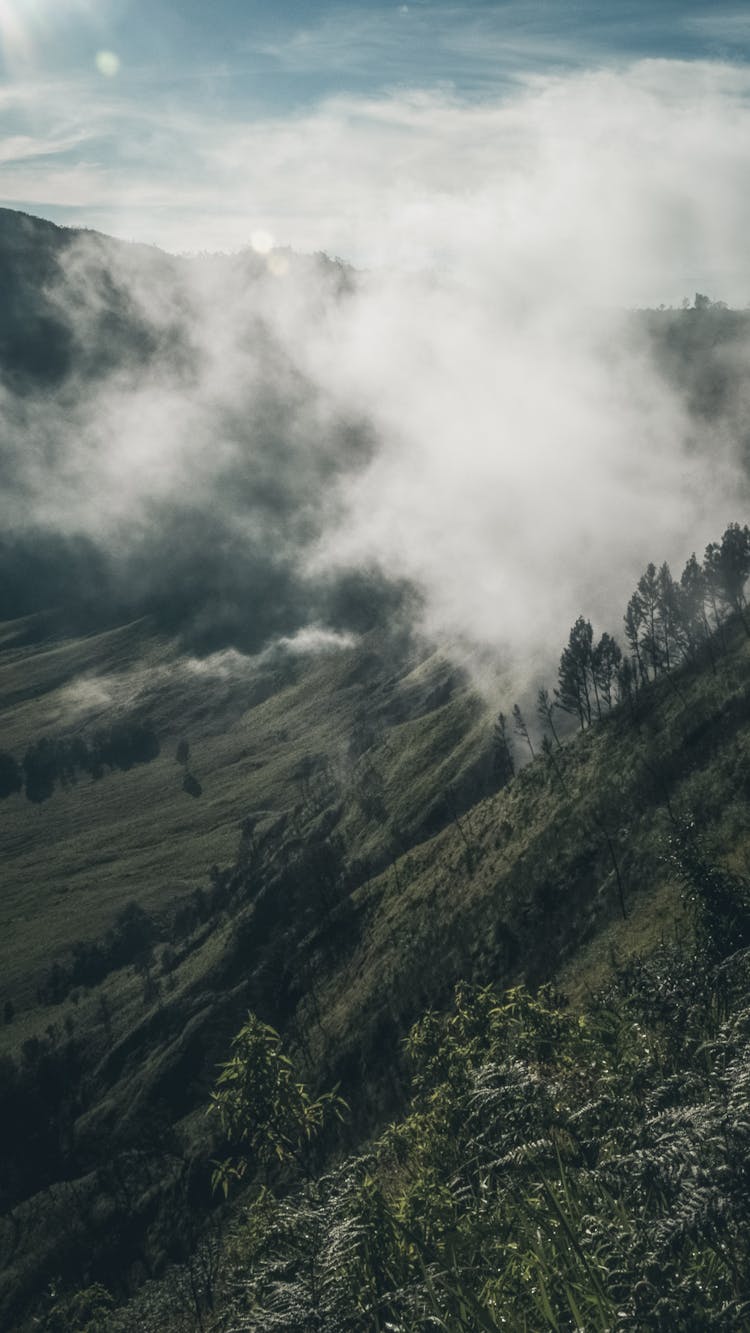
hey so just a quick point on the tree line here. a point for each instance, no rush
(668, 622)
(53, 760)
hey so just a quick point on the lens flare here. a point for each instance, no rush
(107, 63)
(277, 265)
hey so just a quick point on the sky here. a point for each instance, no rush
(198, 126)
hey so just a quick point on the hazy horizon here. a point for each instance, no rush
(355, 128)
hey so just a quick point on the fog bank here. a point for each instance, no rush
(249, 445)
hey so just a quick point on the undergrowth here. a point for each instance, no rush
(555, 1170)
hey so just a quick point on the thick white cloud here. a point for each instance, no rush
(529, 458)
(532, 460)
(529, 464)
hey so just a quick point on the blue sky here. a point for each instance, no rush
(133, 117)
(262, 55)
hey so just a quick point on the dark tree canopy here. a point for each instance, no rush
(11, 777)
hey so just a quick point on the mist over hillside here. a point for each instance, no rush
(246, 445)
(163, 452)
(290, 546)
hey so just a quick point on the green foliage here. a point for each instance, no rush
(85, 1311)
(554, 1171)
(720, 900)
(262, 1108)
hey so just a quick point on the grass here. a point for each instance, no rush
(70, 864)
(534, 895)
(518, 884)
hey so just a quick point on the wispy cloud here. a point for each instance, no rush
(476, 49)
(722, 27)
(480, 47)
(21, 148)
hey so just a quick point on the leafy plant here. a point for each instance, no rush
(555, 1171)
(263, 1110)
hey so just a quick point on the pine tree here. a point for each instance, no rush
(714, 596)
(633, 626)
(574, 675)
(626, 683)
(502, 752)
(692, 603)
(606, 660)
(520, 728)
(648, 593)
(733, 569)
(668, 615)
(545, 707)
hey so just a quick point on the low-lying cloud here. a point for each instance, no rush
(248, 445)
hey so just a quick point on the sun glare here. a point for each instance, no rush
(15, 37)
(24, 25)
(262, 242)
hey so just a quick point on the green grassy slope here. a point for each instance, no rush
(363, 737)
(255, 729)
(526, 887)
(342, 756)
